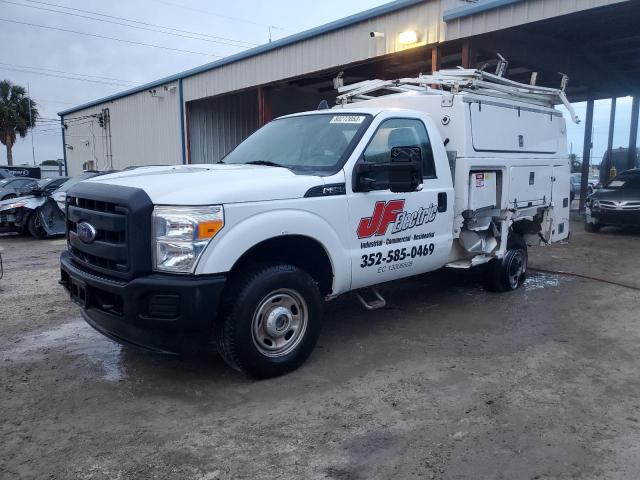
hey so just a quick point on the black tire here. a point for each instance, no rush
(10, 196)
(591, 227)
(34, 225)
(510, 272)
(249, 316)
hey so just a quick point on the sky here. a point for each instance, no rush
(109, 66)
(119, 65)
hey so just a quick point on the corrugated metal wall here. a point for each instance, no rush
(517, 14)
(145, 130)
(217, 125)
(348, 45)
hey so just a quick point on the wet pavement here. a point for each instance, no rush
(447, 382)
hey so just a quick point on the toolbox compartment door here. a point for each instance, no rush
(514, 129)
(530, 186)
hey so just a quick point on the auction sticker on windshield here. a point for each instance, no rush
(348, 119)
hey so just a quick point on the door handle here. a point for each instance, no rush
(442, 202)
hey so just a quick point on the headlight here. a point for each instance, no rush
(181, 235)
(595, 203)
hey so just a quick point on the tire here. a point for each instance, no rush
(591, 227)
(255, 333)
(11, 195)
(34, 225)
(510, 272)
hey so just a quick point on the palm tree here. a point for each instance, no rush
(14, 115)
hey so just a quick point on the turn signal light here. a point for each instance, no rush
(209, 229)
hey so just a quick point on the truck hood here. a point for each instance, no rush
(212, 184)
(618, 195)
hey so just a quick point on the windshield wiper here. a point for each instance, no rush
(266, 163)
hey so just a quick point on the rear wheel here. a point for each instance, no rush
(35, 227)
(510, 272)
(272, 321)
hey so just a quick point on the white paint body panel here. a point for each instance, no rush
(520, 131)
(483, 192)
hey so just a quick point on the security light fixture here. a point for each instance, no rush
(409, 37)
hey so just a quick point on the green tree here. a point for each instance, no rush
(576, 165)
(14, 115)
(47, 163)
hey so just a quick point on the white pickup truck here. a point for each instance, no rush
(459, 169)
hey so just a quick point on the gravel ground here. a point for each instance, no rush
(447, 382)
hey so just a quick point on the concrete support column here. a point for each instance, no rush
(469, 57)
(435, 59)
(586, 154)
(265, 109)
(612, 124)
(633, 134)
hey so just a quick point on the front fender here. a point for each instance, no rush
(236, 239)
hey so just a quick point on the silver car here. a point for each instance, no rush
(13, 187)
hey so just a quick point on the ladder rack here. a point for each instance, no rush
(456, 81)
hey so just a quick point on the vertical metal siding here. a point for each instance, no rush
(217, 125)
(348, 45)
(145, 130)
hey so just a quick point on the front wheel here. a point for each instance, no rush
(510, 272)
(35, 227)
(271, 323)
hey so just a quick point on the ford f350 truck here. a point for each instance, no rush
(460, 169)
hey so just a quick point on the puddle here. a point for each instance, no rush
(537, 281)
(75, 338)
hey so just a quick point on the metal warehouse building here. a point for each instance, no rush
(199, 115)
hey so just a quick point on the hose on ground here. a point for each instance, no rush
(587, 277)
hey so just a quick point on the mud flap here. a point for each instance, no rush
(52, 218)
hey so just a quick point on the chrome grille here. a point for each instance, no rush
(622, 205)
(108, 252)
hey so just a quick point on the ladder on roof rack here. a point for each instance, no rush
(456, 81)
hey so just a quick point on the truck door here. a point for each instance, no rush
(395, 235)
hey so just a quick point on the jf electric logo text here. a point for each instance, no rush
(392, 212)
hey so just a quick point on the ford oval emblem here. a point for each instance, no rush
(86, 232)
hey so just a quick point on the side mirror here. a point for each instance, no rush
(403, 172)
(405, 169)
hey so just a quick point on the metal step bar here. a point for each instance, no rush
(376, 303)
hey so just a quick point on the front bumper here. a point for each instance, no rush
(165, 313)
(12, 221)
(614, 217)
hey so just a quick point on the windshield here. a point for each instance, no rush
(44, 182)
(626, 181)
(75, 180)
(318, 143)
(3, 183)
